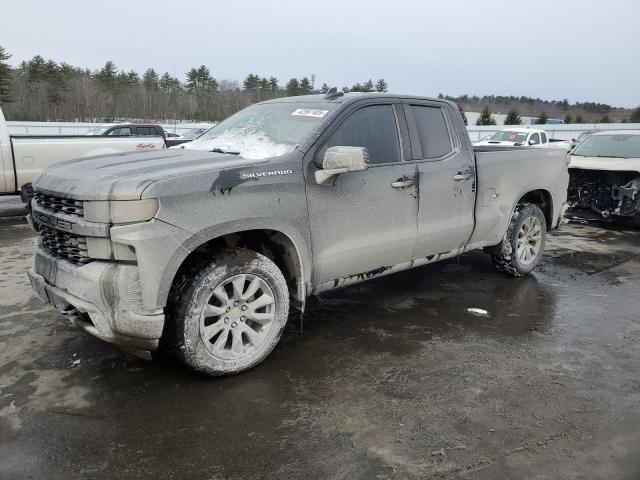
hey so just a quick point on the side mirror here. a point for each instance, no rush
(339, 160)
(532, 142)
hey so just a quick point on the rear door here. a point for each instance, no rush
(446, 178)
(367, 221)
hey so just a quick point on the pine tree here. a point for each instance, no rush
(485, 117)
(513, 118)
(542, 119)
(381, 86)
(133, 79)
(55, 84)
(168, 84)
(5, 77)
(368, 86)
(305, 86)
(200, 80)
(107, 75)
(35, 69)
(325, 88)
(251, 82)
(273, 84)
(605, 119)
(293, 87)
(579, 119)
(568, 118)
(635, 115)
(150, 79)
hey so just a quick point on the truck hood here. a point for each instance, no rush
(603, 163)
(496, 144)
(125, 176)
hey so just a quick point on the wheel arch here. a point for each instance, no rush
(281, 243)
(543, 199)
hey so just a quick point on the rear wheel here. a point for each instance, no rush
(227, 315)
(524, 241)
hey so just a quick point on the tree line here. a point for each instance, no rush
(46, 90)
(542, 110)
(513, 118)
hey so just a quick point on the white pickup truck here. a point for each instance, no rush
(23, 157)
(521, 137)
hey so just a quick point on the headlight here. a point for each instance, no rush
(120, 211)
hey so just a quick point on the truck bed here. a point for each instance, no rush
(504, 175)
(33, 153)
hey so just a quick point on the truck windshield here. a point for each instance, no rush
(264, 130)
(614, 146)
(98, 130)
(509, 136)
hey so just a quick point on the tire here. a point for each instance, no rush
(523, 244)
(226, 314)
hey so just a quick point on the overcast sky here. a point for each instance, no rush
(585, 50)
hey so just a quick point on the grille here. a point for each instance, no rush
(66, 245)
(60, 204)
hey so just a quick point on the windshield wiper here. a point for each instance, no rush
(219, 150)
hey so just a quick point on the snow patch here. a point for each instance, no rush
(250, 145)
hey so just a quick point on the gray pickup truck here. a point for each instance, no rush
(206, 246)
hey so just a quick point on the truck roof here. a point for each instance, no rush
(346, 98)
(616, 132)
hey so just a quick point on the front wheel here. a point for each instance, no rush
(524, 241)
(227, 315)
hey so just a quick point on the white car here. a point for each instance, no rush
(523, 137)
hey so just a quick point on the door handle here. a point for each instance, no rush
(462, 176)
(403, 183)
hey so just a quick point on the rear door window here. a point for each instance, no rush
(544, 137)
(433, 133)
(374, 128)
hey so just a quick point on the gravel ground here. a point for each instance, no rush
(393, 378)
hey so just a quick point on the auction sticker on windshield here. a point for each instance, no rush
(310, 112)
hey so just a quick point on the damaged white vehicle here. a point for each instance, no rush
(604, 175)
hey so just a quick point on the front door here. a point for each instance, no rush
(447, 179)
(367, 221)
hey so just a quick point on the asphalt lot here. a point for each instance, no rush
(392, 378)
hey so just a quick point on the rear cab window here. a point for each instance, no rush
(433, 133)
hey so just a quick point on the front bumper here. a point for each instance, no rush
(102, 297)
